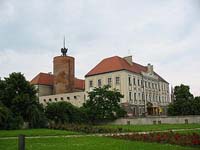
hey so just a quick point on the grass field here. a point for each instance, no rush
(140, 128)
(34, 132)
(190, 131)
(87, 143)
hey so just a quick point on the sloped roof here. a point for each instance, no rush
(117, 63)
(47, 79)
(43, 79)
(79, 84)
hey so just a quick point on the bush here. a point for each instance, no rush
(85, 128)
(64, 112)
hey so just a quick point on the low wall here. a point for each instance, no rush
(75, 98)
(158, 120)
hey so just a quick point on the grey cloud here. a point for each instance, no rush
(164, 33)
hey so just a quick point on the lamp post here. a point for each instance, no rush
(21, 142)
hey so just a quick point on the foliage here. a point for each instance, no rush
(4, 112)
(184, 103)
(63, 112)
(19, 97)
(103, 104)
(85, 128)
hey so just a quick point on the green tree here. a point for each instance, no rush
(4, 112)
(184, 103)
(19, 96)
(196, 106)
(182, 93)
(103, 104)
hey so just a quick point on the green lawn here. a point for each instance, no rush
(34, 132)
(87, 143)
(190, 131)
(140, 128)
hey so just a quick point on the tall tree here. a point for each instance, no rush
(184, 103)
(103, 104)
(18, 95)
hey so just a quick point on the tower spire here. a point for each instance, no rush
(64, 50)
(64, 42)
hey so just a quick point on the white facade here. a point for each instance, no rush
(75, 98)
(138, 89)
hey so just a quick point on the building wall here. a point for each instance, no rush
(63, 70)
(44, 90)
(104, 81)
(137, 89)
(75, 98)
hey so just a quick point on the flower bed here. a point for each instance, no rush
(164, 137)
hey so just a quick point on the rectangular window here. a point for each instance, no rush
(145, 83)
(129, 81)
(143, 96)
(110, 81)
(138, 82)
(135, 96)
(117, 80)
(149, 84)
(90, 83)
(99, 83)
(134, 81)
(139, 96)
(130, 96)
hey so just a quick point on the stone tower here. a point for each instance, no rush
(63, 70)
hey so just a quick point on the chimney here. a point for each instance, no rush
(129, 59)
(150, 68)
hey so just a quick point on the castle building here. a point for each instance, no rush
(62, 84)
(145, 92)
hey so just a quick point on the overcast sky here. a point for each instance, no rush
(165, 33)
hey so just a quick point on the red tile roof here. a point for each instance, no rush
(43, 79)
(117, 63)
(47, 79)
(79, 84)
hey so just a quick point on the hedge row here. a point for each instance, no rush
(86, 128)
